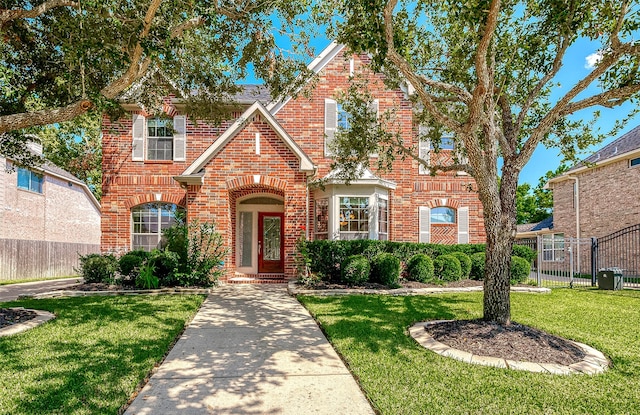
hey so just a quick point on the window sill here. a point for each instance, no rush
(22, 189)
(159, 162)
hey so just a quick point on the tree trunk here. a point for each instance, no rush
(500, 225)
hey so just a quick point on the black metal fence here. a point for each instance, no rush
(576, 261)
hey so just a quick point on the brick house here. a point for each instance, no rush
(600, 196)
(254, 177)
(47, 217)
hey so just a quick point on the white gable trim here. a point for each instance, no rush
(315, 66)
(305, 162)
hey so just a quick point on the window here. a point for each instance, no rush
(159, 139)
(322, 219)
(383, 220)
(634, 162)
(29, 180)
(443, 215)
(149, 220)
(342, 116)
(336, 117)
(553, 247)
(354, 218)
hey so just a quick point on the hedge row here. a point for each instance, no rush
(325, 257)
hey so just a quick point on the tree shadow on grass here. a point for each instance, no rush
(378, 320)
(89, 359)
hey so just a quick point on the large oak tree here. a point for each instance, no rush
(62, 58)
(485, 71)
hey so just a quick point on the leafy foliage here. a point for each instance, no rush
(385, 269)
(147, 278)
(478, 261)
(465, 263)
(447, 268)
(355, 270)
(420, 268)
(520, 269)
(98, 268)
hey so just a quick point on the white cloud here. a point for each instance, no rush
(592, 60)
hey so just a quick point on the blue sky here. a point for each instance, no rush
(576, 66)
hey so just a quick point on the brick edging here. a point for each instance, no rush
(40, 318)
(593, 363)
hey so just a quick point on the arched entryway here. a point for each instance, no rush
(259, 233)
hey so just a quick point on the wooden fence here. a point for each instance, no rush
(22, 259)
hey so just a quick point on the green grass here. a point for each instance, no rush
(9, 282)
(89, 359)
(401, 377)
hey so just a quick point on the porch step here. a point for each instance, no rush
(239, 278)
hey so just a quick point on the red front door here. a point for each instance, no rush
(270, 242)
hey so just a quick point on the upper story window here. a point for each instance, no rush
(158, 138)
(336, 117)
(30, 180)
(148, 222)
(634, 162)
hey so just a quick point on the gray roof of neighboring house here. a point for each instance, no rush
(251, 94)
(624, 144)
(533, 227)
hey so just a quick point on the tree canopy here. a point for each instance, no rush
(62, 58)
(486, 71)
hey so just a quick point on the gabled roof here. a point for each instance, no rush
(625, 147)
(545, 224)
(315, 66)
(193, 172)
(364, 177)
(626, 143)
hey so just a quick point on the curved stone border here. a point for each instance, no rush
(72, 293)
(294, 289)
(593, 363)
(41, 317)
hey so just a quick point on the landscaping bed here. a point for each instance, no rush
(11, 316)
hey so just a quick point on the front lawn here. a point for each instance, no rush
(401, 377)
(91, 357)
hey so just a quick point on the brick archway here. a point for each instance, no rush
(155, 198)
(257, 181)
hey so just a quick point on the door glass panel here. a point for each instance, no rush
(271, 239)
(246, 244)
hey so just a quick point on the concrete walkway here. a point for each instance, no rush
(251, 350)
(12, 291)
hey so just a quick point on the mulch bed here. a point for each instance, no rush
(515, 341)
(11, 316)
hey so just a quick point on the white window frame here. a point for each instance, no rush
(158, 232)
(140, 136)
(39, 183)
(553, 247)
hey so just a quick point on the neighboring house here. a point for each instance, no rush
(47, 217)
(597, 202)
(600, 195)
(256, 177)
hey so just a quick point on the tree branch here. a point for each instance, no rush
(418, 82)
(607, 99)
(12, 122)
(8, 15)
(482, 71)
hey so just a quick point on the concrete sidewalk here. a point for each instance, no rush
(11, 292)
(251, 350)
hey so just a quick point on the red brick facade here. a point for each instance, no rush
(256, 161)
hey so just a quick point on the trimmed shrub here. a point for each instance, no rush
(129, 264)
(385, 269)
(98, 268)
(465, 263)
(520, 269)
(447, 268)
(524, 252)
(355, 270)
(420, 268)
(165, 266)
(477, 266)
